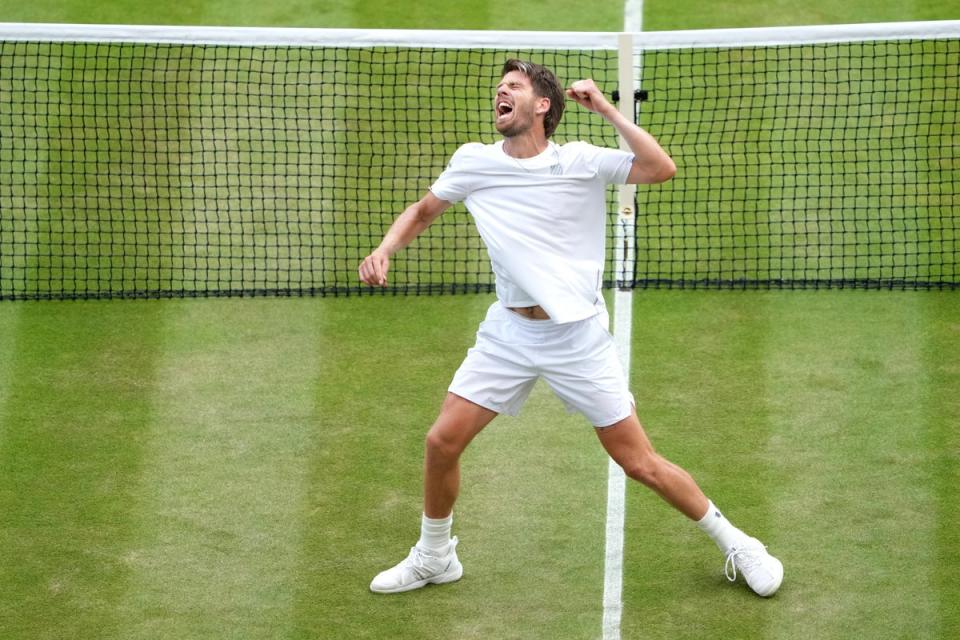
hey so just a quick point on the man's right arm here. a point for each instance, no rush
(408, 225)
(651, 164)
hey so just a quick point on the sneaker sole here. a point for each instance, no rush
(451, 575)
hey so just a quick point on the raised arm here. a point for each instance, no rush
(408, 225)
(651, 163)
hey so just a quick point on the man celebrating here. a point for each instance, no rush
(541, 211)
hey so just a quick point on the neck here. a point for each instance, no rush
(524, 145)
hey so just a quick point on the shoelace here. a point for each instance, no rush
(418, 560)
(747, 559)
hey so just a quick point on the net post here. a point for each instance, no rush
(622, 332)
(626, 193)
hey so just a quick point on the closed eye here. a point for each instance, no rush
(509, 85)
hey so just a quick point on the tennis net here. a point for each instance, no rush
(159, 162)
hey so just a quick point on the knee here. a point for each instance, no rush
(440, 445)
(646, 469)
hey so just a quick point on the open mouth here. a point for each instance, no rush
(504, 109)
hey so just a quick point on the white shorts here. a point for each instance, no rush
(577, 359)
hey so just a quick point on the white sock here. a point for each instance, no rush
(435, 533)
(715, 525)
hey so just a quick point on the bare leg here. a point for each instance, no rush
(628, 445)
(458, 423)
(433, 560)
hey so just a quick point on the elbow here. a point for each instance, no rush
(652, 173)
(419, 214)
(667, 170)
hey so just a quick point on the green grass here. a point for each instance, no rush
(219, 467)
(555, 15)
(373, 448)
(128, 435)
(815, 414)
(242, 468)
(688, 14)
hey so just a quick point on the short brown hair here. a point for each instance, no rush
(545, 85)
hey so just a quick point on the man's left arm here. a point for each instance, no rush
(651, 164)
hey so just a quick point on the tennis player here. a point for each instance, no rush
(540, 208)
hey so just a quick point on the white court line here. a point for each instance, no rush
(622, 334)
(633, 16)
(616, 489)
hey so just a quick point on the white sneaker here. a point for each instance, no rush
(420, 569)
(762, 571)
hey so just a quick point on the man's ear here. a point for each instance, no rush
(543, 105)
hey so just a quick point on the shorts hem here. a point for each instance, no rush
(486, 404)
(605, 424)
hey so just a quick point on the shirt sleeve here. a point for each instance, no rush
(613, 165)
(456, 182)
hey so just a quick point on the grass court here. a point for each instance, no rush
(241, 468)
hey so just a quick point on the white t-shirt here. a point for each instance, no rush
(543, 220)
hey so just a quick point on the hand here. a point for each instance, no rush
(588, 95)
(373, 269)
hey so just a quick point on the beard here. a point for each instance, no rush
(517, 125)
